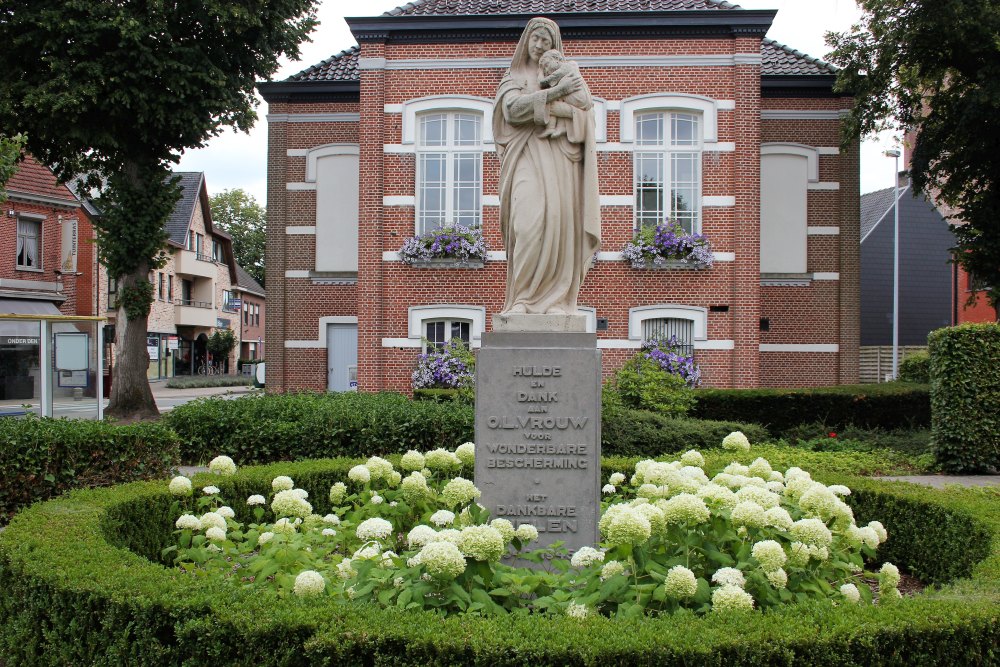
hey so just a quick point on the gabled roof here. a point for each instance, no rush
(179, 221)
(246, 282)
(463, 7)
(875, 206)
(777, 60)
(34, 178)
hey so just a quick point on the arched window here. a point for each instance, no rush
(668, 169)
(449, 169)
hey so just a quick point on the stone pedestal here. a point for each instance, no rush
(538, 432)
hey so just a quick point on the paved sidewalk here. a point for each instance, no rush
(167, 398)
(941, 481)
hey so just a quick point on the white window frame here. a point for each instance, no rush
(435, 103)
(38, 222)
(451, 150)
(665, 151)
(696, 104)
(448, 326)
(697, 314)
(419, 316)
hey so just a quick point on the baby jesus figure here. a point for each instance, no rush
(555, 66)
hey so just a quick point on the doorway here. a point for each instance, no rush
(342, 357)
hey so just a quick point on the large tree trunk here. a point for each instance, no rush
(131, 397)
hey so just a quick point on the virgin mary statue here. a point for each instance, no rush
(549, 204)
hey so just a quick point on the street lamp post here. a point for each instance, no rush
(894, 153)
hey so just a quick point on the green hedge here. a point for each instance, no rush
(916, 368)
(884, 406)
(965, 397)
(74, 594)
(276, 427)
(41, 458)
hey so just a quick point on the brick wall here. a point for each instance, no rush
(824, 312)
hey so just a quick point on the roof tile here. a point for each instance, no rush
(777, 59)
(32, 177)
(461, 7)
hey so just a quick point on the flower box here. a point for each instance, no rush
(451, 246)
(668, 247)
(447, 263)
(671, 264)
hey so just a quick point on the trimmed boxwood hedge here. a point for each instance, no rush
(41, 458)
(75, 592)
(965, 397)
(890, 406)
(284, 427)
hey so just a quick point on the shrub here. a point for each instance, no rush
(427, 544)
(445, 395)
(916, 368)
(276, 427)
(199, 381)
(644, 385)
(450, 366)
(965, 397)
(83, 568)
(887, 406)
(41, 458)
(627, 432)
(285, 427)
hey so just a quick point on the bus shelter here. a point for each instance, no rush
(51, 366)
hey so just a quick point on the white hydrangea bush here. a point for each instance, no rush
(747, 537)
(673, 536)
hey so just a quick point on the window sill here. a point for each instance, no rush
(447, 263)
(786, 279)
(28, 269)
(671, 265)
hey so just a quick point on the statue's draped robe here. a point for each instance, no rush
(549, 203)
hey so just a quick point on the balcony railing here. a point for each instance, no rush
(205, 258)
(192, 303)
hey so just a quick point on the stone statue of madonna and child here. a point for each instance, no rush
(543, 125)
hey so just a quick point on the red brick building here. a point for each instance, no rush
(394, 136)
(47, 254)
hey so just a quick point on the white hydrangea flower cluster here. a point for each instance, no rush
(222, 465)
(441, 560)
(180, 486)
(736, 441)
(587, 556)
(466, 453)
(459, 491)
(290, 503)
(680, 583)
(483, 543)
(373, 529)
(309, 583)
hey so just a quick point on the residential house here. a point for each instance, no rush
(925, 270)
(193, 291)
(249, 302)
(925, 275)
(732, 134)
(47, 267)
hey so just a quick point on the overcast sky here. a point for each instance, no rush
(237, 160)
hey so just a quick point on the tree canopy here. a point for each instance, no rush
(11, 149)
(237, 212)
(933, 67)
(115, 91)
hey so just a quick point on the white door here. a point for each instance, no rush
(341, 357)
